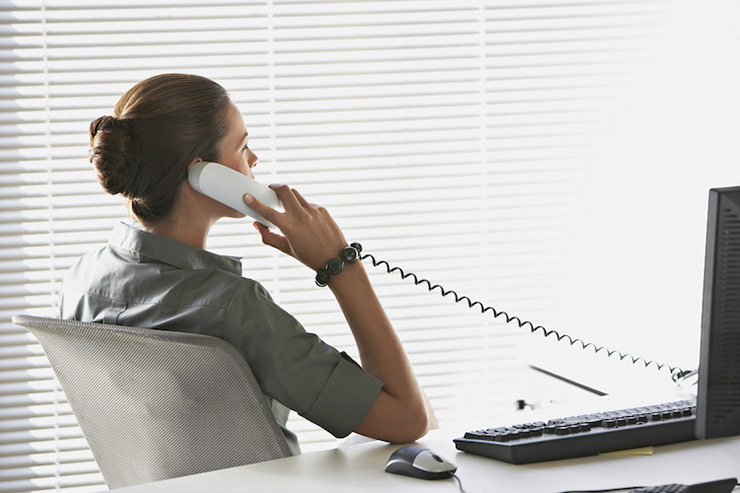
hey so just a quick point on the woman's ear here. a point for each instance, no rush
(193, 162)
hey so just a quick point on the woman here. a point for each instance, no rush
(157, 273)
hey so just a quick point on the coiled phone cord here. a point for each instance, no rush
(677, 373)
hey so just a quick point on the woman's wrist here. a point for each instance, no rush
(350, 280)
(335, 266)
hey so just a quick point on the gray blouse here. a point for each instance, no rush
(142, 279)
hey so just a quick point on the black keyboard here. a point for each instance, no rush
(587, 434)
(719, 486)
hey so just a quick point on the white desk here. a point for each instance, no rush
(359, 468)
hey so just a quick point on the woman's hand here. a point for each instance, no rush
(310, 233)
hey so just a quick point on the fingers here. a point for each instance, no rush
(264, 210)
(286, 196)
(301, 200)
(310, 234)
(272, 239)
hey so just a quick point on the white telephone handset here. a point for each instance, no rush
(228, 186)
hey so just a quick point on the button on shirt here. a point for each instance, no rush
(143, 279)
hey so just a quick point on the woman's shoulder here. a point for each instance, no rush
(85, 267)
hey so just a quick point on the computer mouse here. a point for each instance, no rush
(419, 462)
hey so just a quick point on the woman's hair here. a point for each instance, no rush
(158, 127)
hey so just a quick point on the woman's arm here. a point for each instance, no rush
(401, 412)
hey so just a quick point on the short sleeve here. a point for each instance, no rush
(296, 367)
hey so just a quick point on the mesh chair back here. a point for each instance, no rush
(157, 404)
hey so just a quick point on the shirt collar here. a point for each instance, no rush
(170, 251)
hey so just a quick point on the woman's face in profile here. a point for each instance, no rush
(234, 151)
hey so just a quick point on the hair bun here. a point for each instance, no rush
(161, 125)
(110, 152)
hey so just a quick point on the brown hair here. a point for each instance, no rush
(158, 127)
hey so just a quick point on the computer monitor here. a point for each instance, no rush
(718, 399)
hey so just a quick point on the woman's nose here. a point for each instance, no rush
(252, 160)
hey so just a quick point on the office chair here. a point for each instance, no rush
(158, 404)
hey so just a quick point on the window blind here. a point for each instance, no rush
(447, 137)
